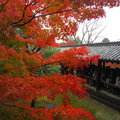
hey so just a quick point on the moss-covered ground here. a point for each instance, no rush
(99, 110)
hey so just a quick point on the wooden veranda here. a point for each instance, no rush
(105, 76)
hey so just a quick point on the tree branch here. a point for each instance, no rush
(9, 105)
(34, 16)
(41, 10)
(54, 13)
(98, 34)
(23, 15)
(2, 6)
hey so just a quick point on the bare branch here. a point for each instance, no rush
(91, 31)
(98, 34)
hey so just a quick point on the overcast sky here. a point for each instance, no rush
(112, 22)
(112, 19)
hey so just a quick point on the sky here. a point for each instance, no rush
(112, 23)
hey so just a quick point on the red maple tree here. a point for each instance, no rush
(41, 23)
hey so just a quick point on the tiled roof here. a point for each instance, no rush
(108, 51)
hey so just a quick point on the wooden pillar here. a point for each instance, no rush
(103, 64)
(62, 70)
(33, 103)
(66, 70)
(78, 72)
(98, 83)
(71, 71)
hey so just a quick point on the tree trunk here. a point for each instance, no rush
(33, 103)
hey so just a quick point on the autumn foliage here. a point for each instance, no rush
(41, 23)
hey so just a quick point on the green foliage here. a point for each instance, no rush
(11, 42)
(13, 113)
(2, 64)
(46, 53)
(76, 40)
(32, 48)
(49, 51)
(14, 67)
(48, 70)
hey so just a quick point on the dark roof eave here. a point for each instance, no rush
(95, 44)
(109, 60)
